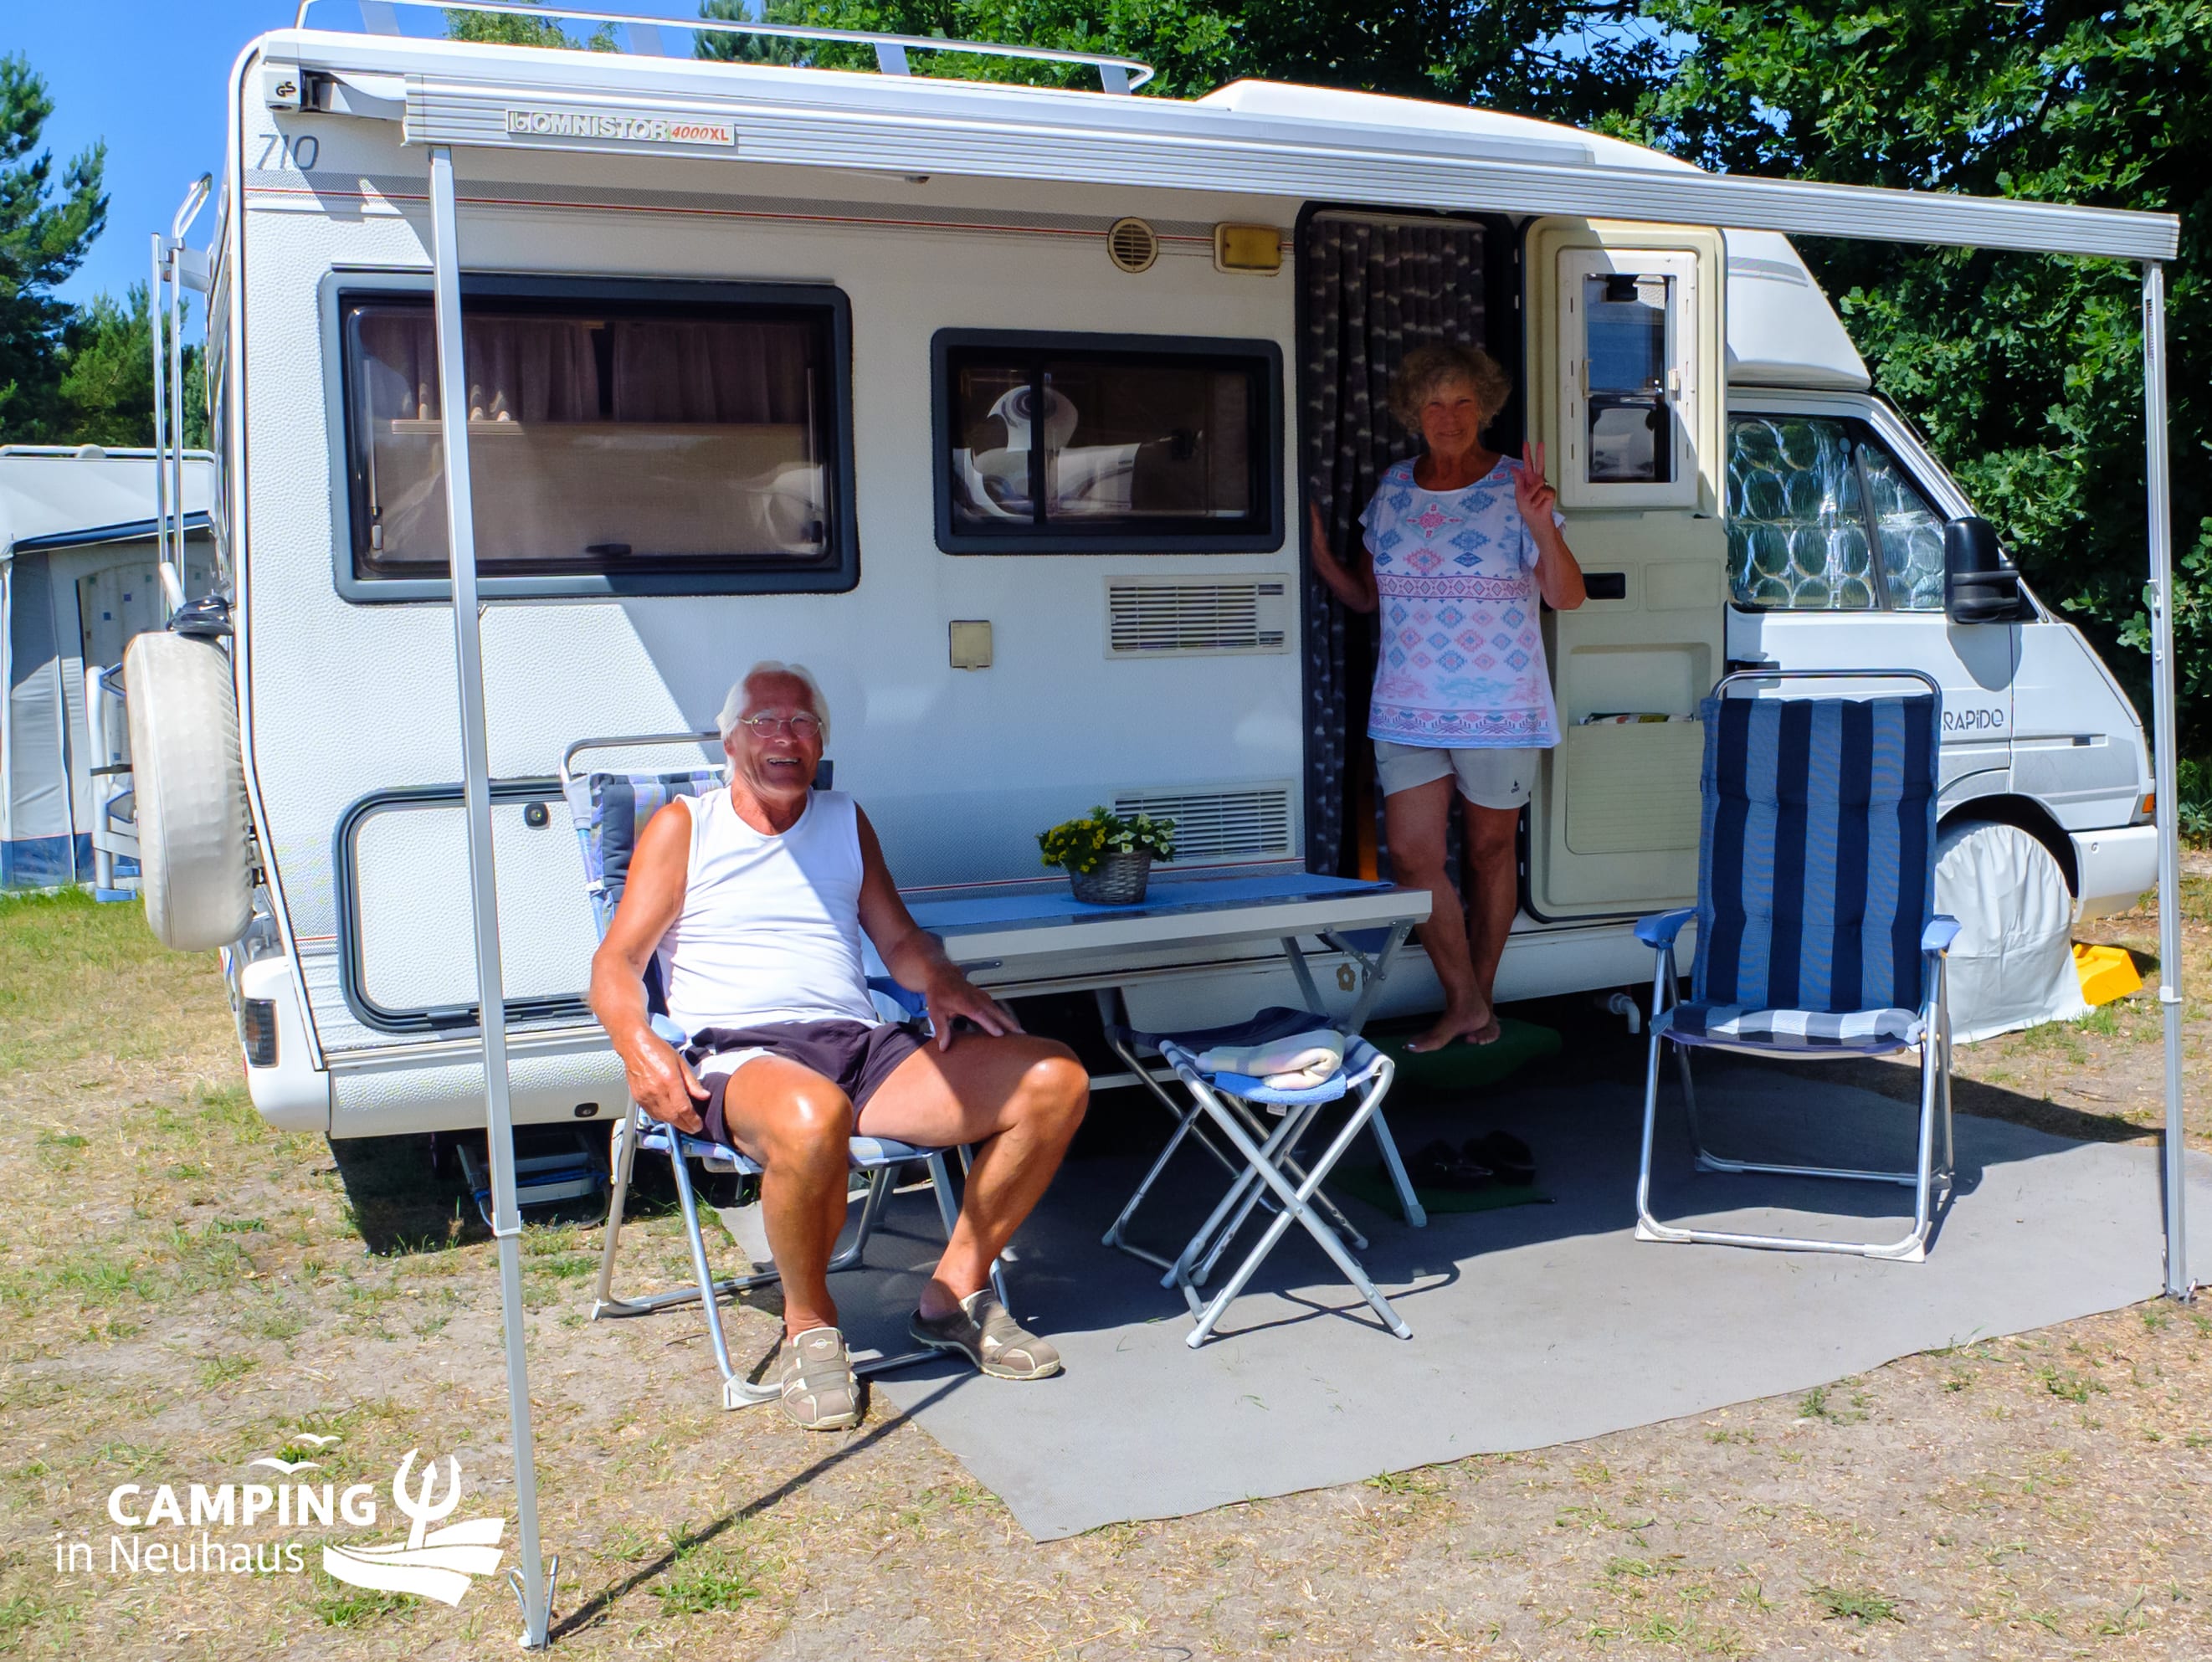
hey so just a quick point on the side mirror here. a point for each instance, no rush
(1978, 587)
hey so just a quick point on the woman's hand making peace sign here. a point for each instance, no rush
(1534, 496)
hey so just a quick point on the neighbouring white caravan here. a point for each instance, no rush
(78, 578)
(1020, 468)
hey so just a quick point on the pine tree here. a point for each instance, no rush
(43, 236)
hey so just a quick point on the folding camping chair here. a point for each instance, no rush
(1271, 1170)
(1817, 929)
(609, 812)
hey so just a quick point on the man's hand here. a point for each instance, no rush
(1534, 496)
(949, 995)
(663, 1084)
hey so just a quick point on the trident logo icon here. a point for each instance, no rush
(438, 1564)
(419, 1510)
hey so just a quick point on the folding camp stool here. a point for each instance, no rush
(610, 811)
(1271, 1170)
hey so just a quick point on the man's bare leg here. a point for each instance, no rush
(799, 1125)
(1414, 821)
(1020, 1099)
(1493, 895)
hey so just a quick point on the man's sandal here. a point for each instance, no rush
(981, 1330)
(817, 1388)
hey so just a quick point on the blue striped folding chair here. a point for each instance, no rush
(609, 811)
(1817, 930)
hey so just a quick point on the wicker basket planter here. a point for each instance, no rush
(1116, 880)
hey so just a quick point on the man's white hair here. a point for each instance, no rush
(734, 705)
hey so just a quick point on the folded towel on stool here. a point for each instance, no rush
(1296, 1061)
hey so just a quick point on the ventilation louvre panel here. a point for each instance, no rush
(1249, 823)
(1149, 619)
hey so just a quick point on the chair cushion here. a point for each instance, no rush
(1868, 1032)
(620, 805)
(1816, 867)
(1361, 1060)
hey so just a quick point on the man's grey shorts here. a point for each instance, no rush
(1488, 778)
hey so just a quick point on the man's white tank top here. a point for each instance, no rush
(770, 926)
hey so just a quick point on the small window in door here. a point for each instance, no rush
(1796, 517)
(1627, 359)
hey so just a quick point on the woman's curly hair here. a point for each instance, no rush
(1428, 367)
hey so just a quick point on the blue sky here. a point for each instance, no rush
(148, 76)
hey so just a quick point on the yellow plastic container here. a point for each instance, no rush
(2107, 972)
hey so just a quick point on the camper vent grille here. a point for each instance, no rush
(1252, 823)
(1147, 619)
(1132, 244)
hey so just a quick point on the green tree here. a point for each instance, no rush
(2026, 371)
(1557, 55)
(45, 228)
(503, 28)
(107, 376)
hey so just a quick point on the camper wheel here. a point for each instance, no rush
(195, 861)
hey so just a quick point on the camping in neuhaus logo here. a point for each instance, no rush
(438, 1564)
(191, 1529)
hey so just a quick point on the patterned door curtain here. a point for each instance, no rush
(1373, 288)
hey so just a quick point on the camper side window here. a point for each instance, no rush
(1062, 445)
(614, 443)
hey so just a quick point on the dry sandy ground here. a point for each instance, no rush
(183, 1290)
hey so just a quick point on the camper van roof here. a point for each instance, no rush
(49, 493)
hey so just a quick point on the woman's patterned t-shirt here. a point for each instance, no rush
(1460, 662)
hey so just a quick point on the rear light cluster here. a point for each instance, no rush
(257, 1026)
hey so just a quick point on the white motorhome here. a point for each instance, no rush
(820, 365)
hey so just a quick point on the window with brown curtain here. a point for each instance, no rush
(646, 438)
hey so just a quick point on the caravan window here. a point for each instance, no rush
(641, 441)
(1062, 443)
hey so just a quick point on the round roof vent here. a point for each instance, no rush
(1132, 244)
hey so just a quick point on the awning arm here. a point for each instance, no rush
(533, 1582)
(2165, 772)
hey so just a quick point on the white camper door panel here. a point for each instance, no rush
(411, 907)
(1613, 828)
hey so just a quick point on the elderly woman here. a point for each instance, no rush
(1459, 544)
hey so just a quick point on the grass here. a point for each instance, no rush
(1854, 1604)
(704, 1578)
(342, 1606)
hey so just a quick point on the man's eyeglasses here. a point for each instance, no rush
(799, 727)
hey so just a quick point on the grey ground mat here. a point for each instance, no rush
(1532, 1325)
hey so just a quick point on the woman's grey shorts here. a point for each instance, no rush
(1488, 778)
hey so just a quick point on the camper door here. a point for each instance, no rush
(1623, 374)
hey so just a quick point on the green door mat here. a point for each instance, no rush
(1458, 1068)
(1372, 1185)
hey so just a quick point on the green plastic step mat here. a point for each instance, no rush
(1372, 1185)
(1463, 1067)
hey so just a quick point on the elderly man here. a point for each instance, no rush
(753, 900)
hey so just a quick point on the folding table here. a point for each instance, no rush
(1028, 940)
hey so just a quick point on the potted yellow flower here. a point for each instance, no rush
(1108, 858)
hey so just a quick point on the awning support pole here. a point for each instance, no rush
(483, 895)
(2165, 708)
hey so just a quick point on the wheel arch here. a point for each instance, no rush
(2029, 815)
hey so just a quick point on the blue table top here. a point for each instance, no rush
(1166, 897)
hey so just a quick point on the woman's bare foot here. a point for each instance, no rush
(1476, 1027)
